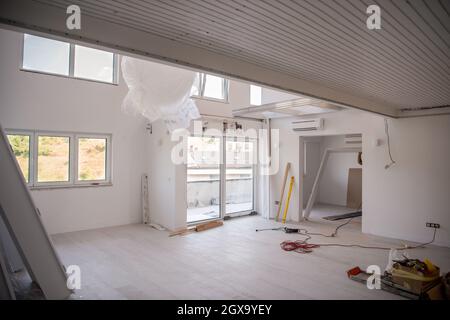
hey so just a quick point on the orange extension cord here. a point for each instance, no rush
(298, 246)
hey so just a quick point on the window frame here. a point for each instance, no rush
(29, 133)
(71, 75)
(201, 89)
(73, 181)
(36, 182)
(107, 159)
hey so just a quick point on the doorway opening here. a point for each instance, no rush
(332, 171)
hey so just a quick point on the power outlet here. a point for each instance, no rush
(433, 225)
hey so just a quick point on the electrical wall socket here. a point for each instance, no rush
(433, 225)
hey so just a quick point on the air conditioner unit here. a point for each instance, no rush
(353, 140)
(307, 125)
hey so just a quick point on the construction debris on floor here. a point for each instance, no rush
(302, 246)
(344, 216)
(197, 228)
(410, 278)
(208, 225)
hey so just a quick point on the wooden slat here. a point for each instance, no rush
(208, 225)
(283, 187)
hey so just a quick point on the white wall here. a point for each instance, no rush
(399, 201)
(270, 96)
(37, 101)
(396, 202)
(312, 154)
(290, 151)
(162, 177)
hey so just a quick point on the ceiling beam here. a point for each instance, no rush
(40, 19)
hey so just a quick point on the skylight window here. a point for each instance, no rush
(67, 59)
(210, 87)
(93, 64)
(255, 95)
(46, 55)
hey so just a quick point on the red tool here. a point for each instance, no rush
(354, 272)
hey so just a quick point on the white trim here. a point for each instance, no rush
(71, 60)
(71, 186)
(223, 176)
(210, 99)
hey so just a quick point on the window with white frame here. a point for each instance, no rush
(93, 64)
(210, 87)
(53, 159)
(68, 59)
(255, 95)
(91, 153)
(46, 55)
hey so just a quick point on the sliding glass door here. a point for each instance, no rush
(209, 180)
(239, 173)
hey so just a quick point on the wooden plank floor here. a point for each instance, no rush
(229, 262)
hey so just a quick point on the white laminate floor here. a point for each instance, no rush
(229, 262)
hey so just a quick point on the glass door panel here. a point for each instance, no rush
(239, 172)
(203, 178)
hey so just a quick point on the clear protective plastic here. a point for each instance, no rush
(159, 91)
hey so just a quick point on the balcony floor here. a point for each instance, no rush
(211, 212)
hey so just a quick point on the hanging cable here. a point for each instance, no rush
(386, 129)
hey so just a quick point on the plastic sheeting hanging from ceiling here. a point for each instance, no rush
(158, 91)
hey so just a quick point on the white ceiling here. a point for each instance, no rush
(299, 106)
(406, 64)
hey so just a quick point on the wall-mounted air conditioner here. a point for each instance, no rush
(353, 140)
(307, 125)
